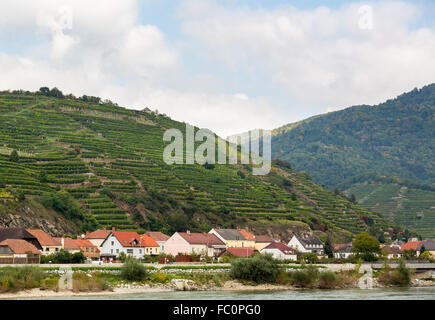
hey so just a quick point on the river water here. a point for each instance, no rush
(347, 294)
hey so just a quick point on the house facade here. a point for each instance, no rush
(49, 245)
(262, 241)
(343, 251)
(306, 244)
(199, 243)
(280, 251)
(160, 238)
(18, 251)
(19, 233)
(232, 238)
(429, 245)
(392, 252)
(131, 243)
(68, 244)
(88, 249)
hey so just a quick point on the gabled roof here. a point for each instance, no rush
(239, 252)
(343, 248)
(230, 234)
(19, 246)
(133, 239)
(83, 243)
(98, 234)
(281, 247)
(248, 235)
(263, 239)
(309, 240)
(201, 238)
(68, 243)
(429, 245)
(44, 238)
(157, 236)
(412, 245)
(19, 233)
(391, 250)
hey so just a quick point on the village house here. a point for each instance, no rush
(88, 249)
(237, 252)
(98, 236)
(280, 251)
(160, 238)
(262, 241)
(131, 243)
(343, 250)
(19, 233)
(232, 238)
(18, 251)
(199, 243)
(392, 252)
(410, 245)
(68, 244)
(49, 245)
(306, 244)
(429, 245)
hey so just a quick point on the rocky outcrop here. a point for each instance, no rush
(27, 217)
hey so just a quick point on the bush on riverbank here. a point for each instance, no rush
(262, 268)
(63, 256)
(84, 282)
(401, 276)
(133, 270)
(13, 279)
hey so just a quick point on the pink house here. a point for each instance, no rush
(200, 243)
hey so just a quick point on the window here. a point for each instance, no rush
(47, 249)
(130, 251)
(140, 251)
(111, 250)
(117, 250)
(113, 242)
(87, 249)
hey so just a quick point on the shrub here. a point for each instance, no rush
(401, 276)
(327, 280)
(260, 269)
(133, 270)
(305, 277)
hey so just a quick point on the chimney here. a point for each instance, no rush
(104, 228)
(113, 228)
(188, 231)
(62, 241)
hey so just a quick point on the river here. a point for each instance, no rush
(347, 294)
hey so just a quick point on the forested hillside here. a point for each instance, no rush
(100, 165)
(361, 148)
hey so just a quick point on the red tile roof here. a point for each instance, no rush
(69, 244)
(83, 243)
(126, 238)
(248, 235)
(281, 247)
(201, 238)
(19, 246)
(239, 252)
(43, 238)
(412, 245)
(158, 236)
(98, 234)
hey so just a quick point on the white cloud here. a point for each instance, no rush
(319, 56)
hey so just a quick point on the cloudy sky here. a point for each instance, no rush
(229, 65)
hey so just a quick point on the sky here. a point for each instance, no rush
(229, 65)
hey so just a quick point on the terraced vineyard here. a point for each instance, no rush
(110, 160)
(405, 205)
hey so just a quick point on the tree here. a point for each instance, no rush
(133, 270)
(44, 90)
(352, 198)
(260, 269)
(366, 247)
(329, 249)
(336, 191)
(422, 249)
(14, 156)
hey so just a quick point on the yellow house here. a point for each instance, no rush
(233, 238)
(49, 244)
(262, 242)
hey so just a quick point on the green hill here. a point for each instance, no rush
(350, 149)
(101, 165)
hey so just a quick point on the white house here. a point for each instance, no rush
(131, 243)
(343, 251)
(280, 251)
(305, 244)
(199, 243)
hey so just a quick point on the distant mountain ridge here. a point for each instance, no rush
(394, 140)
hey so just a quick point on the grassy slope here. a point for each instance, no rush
(110, 159)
